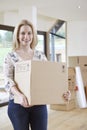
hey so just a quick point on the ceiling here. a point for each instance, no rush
(62, 9)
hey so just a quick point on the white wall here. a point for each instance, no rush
(45, 23)
(11, 18)
(24, 12)
(1, 18)
(77, 38)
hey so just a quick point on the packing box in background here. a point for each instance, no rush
(77, 61)
(81, 61)
(43, 82)
(71, 78)
(72, 81)
(85, 91)
(64, 107)
(73, 61)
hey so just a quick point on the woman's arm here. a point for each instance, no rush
(10, 84)
(22, 100)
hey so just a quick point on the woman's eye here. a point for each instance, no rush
(23, 33)
(29, 33)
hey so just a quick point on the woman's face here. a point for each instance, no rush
(25, 36)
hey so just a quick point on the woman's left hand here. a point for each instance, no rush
(67, 95)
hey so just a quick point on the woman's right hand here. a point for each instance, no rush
(23, 100)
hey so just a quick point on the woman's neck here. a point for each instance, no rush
(25, 50)
(25, 53)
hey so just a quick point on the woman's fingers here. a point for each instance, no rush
(67, 95)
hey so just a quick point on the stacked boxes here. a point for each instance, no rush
(71, 81)
(80, 61)
(64, 107)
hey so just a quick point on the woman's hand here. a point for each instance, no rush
(19, 97)
(67, 95)
(23, 100)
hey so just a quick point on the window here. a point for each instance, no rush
(6, 37)
(58, 42)
(41, 46)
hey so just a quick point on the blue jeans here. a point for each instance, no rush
(23, 118)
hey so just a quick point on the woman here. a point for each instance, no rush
(22, 115)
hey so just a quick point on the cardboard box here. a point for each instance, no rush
(43, 82)
(82, 62)
(72, 81)
(71, 78)
(85, 88)
(64, 107)
(77, 61)
(73, 61)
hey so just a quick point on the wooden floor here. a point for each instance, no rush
(58, 120)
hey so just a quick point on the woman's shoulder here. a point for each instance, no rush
(12, 56)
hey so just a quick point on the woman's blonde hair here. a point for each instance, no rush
(16, 43)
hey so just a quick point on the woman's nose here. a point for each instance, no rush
(26, 36)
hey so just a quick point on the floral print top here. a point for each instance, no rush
(9, 66)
